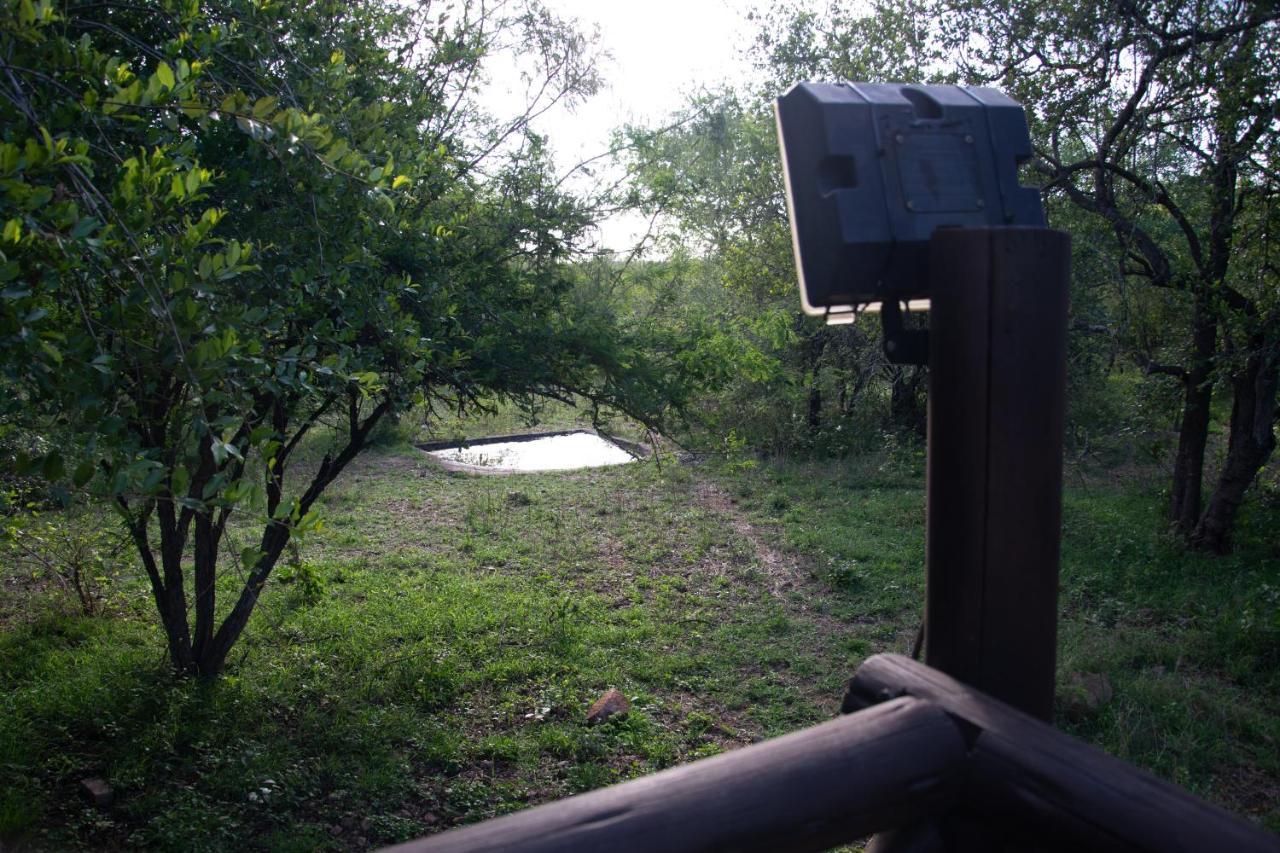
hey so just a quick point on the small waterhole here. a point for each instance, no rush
(563, 451)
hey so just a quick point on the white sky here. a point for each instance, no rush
(661, 52)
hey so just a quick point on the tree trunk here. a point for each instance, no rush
(813, 350)
(178, 637)
(214, 657)
(205, 558)
(815, 405)
(906, 412)
(1193, 434)
(171, 597)
(274, 539)
(172, 604)
(1252, 439)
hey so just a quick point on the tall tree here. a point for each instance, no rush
(1157, 119)
(836, 41)
(713, 180)
(880, 40)
(1161, 119)
(229, 224)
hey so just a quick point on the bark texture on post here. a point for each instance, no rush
(997, 364)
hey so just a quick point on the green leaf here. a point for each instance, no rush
(83, 473)
(223, 449)
(311, 522)
(165, 75)
(337, 150)
(214, 485)
(180, 481)
(263, 107)
(54, 466)
(39, 197)
(235, 491)
(284, 510)
(249, 126)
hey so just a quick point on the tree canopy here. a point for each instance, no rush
(1160, 121)
(1155, 129)
(228, 224)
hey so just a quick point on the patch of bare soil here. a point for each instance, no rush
(1247, 790)
(787, 578)
(783, 570)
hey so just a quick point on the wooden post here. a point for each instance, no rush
(997, 373)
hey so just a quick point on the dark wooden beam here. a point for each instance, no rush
(997, 374)
(811, 790)
(1027, 772)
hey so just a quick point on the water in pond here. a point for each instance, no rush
(551, 453)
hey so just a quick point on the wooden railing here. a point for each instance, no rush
(924, 759)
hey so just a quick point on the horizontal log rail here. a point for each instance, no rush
(917, 752)
(810, 790)
(1027, 771)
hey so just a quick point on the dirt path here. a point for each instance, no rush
(783, 570)
(787, 578)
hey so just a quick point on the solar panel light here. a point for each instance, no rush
(872, 169)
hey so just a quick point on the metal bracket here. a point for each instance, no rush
(902, 345)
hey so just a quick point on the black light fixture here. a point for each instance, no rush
(873, 169)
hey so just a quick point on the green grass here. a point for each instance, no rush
(1189, 642)
(437, 670)
(431, 659)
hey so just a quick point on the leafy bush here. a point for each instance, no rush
(74, 551)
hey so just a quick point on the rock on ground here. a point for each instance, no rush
(611, 704)
(97, 792)
(1085, 693)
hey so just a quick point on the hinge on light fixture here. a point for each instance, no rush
(902, 345)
